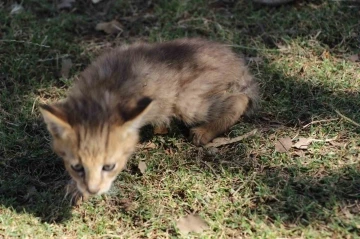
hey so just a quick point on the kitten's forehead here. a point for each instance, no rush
(90, 139)
(96, 142)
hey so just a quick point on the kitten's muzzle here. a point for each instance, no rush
(93, 189)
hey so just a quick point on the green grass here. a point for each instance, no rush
(298, 53)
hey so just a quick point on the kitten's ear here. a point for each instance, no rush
(133, 115)
(55, 120)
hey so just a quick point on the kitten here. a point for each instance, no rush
(96, 128)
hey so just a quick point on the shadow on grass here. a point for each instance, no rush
(34, 183)
(298, 195)
(293, 102)
(303, 199)
(291, 196)
(32, 179)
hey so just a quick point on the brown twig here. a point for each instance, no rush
(347, 118)
(224, 141)
(318, 121)
(211, 168)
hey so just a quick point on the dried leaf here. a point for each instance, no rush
(303, 143)
(282, 47)
(146, 145)
(283, 145)
(150, 145)
(16, 9)
(142, 167)
(354, 58)
(161, 130)
(325, 54)
(66, 65)
(110, 27)
(191, 223)
(223, 141)
(169, 151)
(65, 4)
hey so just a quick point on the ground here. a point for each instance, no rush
(304, 56)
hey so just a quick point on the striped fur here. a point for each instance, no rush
(200, 82)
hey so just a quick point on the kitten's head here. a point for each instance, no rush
(94, 154)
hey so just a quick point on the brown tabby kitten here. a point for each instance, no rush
(96, 128)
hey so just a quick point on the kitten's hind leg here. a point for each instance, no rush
(223, 115)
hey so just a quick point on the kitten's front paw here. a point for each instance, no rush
(161, 129)
(76, 197)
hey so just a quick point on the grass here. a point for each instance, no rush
(299, 54)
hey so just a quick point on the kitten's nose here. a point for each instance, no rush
(93, 189)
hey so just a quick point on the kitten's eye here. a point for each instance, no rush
(108, 167)
(78, 168)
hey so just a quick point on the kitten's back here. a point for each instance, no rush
(167, 72)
